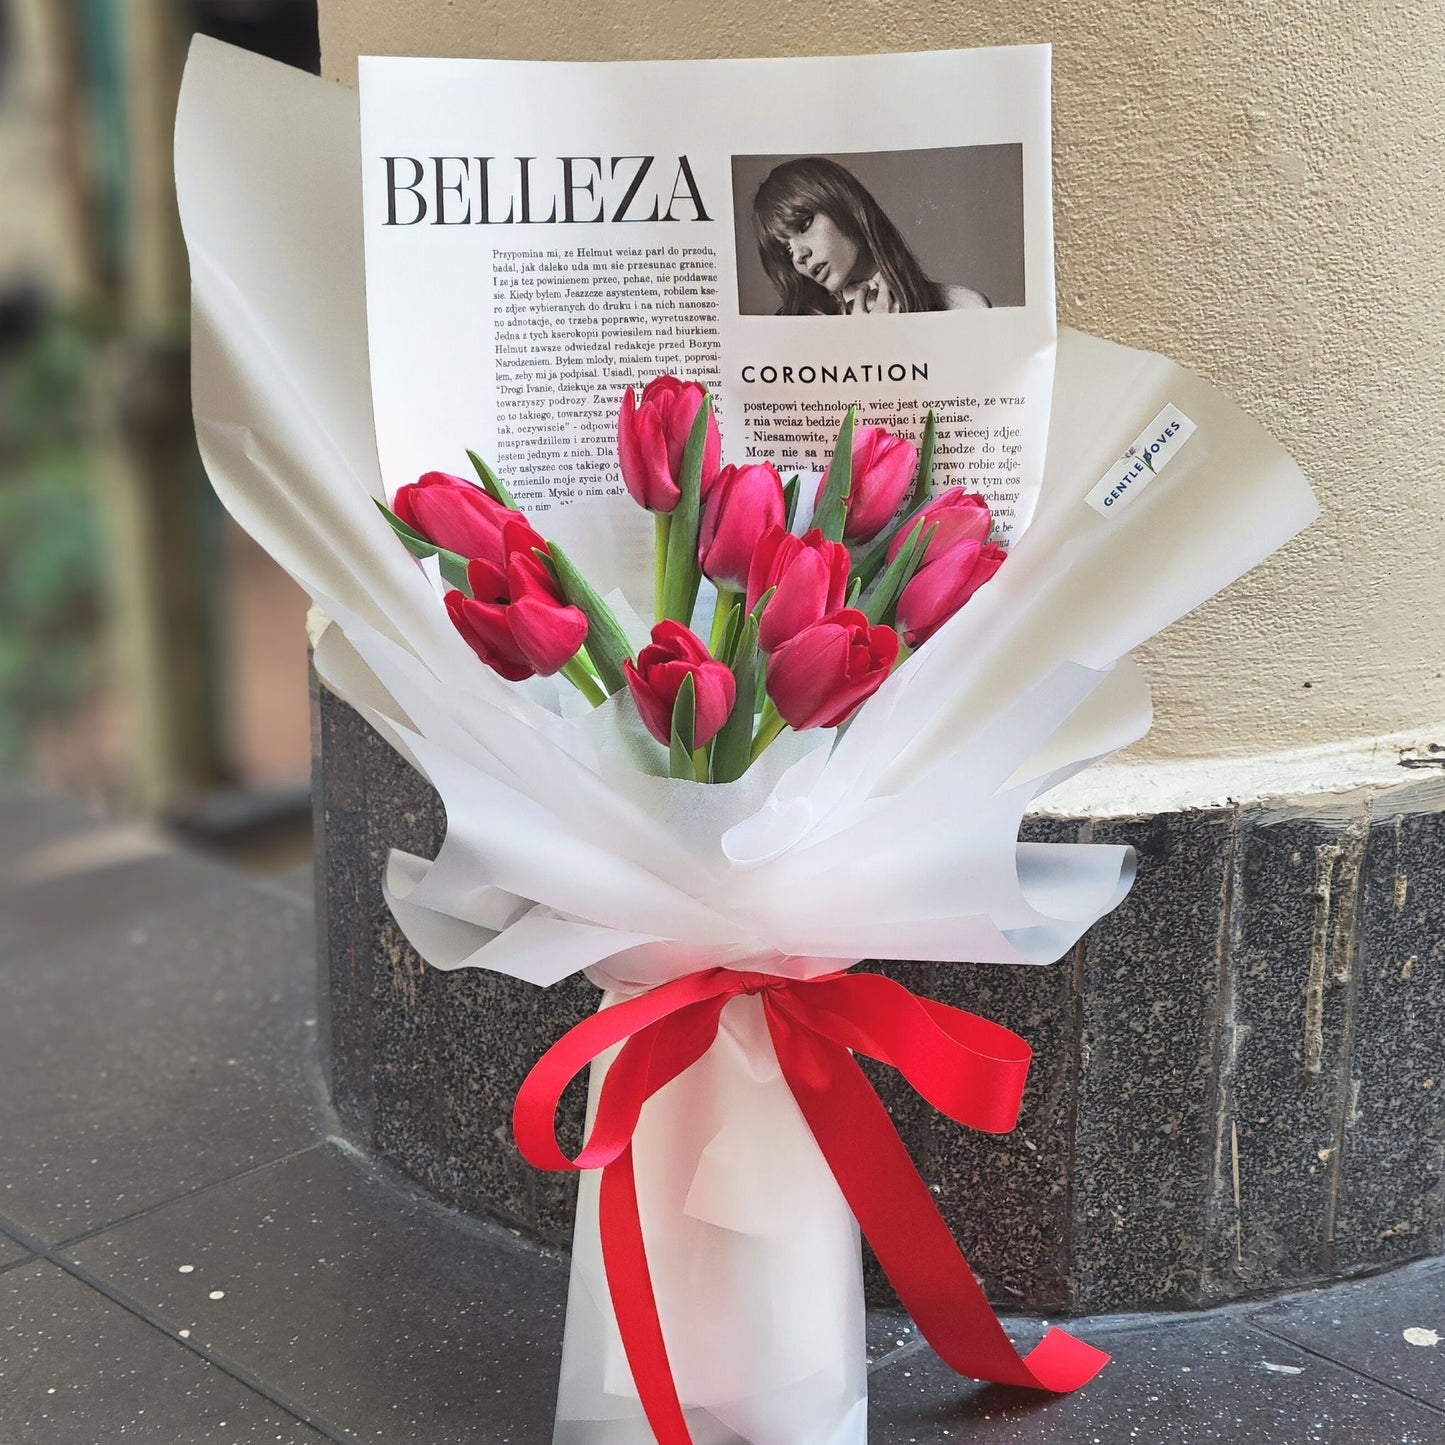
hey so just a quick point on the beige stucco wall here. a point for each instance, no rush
(1257, 190)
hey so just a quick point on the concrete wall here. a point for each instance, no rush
(1257, 190)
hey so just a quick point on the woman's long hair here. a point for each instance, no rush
(801, 188)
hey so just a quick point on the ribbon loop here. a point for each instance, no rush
(969, 1068)
(632, 1023)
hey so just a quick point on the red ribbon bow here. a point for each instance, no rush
(965, 1066)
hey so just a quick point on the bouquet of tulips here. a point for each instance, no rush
(805, 628)
(735, 1147)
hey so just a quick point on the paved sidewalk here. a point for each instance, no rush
(188, 1253)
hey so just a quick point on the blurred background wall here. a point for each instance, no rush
(150, 655)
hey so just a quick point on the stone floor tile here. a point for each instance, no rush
(104, 876)
(13, 1244)
(1214, 1382)
(299, 882)
(889, 1331)
(1391, 1327)
(381, 1315)
(143, 1061)
(78, 1369)
(11, 1251)
(30, 820)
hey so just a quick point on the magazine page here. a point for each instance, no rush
(800, 235)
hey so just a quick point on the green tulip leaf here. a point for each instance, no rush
(870, 564)
(684, 726)
(731, 631)
(883, 600)
(832, 511)
(453, 565)
(402, 530)
(679, 591)
(923, 482)
(492, 484)
(732, 746)
(453, 568)
(790, 501)
(607, 643)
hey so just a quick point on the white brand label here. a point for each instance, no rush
(1154, 448)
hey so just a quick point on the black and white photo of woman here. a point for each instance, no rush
(830, 249)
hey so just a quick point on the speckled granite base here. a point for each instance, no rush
(1238, 1075)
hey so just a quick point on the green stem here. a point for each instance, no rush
(661, 531)
(700, 764)
(583, 681)
(770, 725)
(726, 601)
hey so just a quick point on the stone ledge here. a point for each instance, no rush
(1237, 1074)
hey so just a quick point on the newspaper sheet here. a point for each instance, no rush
(801, 235)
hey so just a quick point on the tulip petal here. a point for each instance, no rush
(655, 711)
(743, 504)
(629, 454)
(941, 587)
(716, 695)
(801, 600)
(547, 634)
(804, 672)
(660, 492)
(484, 628)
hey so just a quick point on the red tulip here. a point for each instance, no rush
(956, 516)
(811, 577)
(652, 435)
(820, 677)
(942, 585)
(515, 620)
(884, 466)
(741, 504)
(675, 654)
(454, 513)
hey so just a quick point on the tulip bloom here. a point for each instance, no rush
(652, 436)
(515, 620)
(947, 579)
(956, 517)
(810, 575)
(884, 466)
(741, 504)
(456, 514)
(819, 678)
(675, 654)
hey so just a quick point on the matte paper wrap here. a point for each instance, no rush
(897, 839)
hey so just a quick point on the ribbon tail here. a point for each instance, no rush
(899, 1218)
(629, 1281)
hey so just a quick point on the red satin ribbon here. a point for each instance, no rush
(965, 1066)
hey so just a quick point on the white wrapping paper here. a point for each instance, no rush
(899, 840)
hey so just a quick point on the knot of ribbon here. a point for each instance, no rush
(967, 1067)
